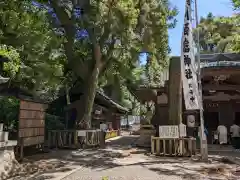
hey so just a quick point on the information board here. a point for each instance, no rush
(31, 123)
(168, 132)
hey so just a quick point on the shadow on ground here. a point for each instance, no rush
(197, 171)
(39, 167)
(102, 159)
(176, 172)
(66, 160)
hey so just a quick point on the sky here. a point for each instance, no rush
(217, 7)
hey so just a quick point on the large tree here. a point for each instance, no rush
(25, 29)
(113, 30)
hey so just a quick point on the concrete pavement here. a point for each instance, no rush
(121, 161)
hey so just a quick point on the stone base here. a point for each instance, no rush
(8, 162)
(145, 138)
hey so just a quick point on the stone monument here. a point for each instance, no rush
(175, 92)
(7, 156)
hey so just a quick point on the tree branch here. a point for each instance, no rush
(107, 25)
(67, 23)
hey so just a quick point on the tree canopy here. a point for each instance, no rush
(52, 43)
(236, 4)
(115, 33)
(219, 34)
(33, 48)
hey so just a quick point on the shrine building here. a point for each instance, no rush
(221, 89)
(221, 92)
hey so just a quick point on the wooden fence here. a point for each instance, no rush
(92, 138)
(62, 139)
(173, 147)
(77, 138)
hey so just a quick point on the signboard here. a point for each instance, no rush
(81, 133)
(31, 123)
(168, 132)
(188, 67)
(211, 105)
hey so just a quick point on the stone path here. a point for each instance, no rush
(121, 161)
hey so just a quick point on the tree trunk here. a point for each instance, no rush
(90, 90)
(68, 103)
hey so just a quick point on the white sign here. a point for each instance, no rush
(182, 130)
(188, 66)
(81, 133)
(168, 132)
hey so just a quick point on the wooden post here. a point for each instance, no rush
(75, 138)
(49, 139)
(70, 139)
(54, 139)
(21, 148)
(152, 144)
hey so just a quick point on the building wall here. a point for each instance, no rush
(116, 121)
(226, 111)
(106, 116)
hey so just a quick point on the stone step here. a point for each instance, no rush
(3, 136)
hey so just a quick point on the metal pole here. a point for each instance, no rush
(203, 140)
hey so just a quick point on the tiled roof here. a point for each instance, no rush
(220, 57)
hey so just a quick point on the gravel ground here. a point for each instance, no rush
(120, 161)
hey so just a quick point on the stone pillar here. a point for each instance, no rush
(175, 92)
